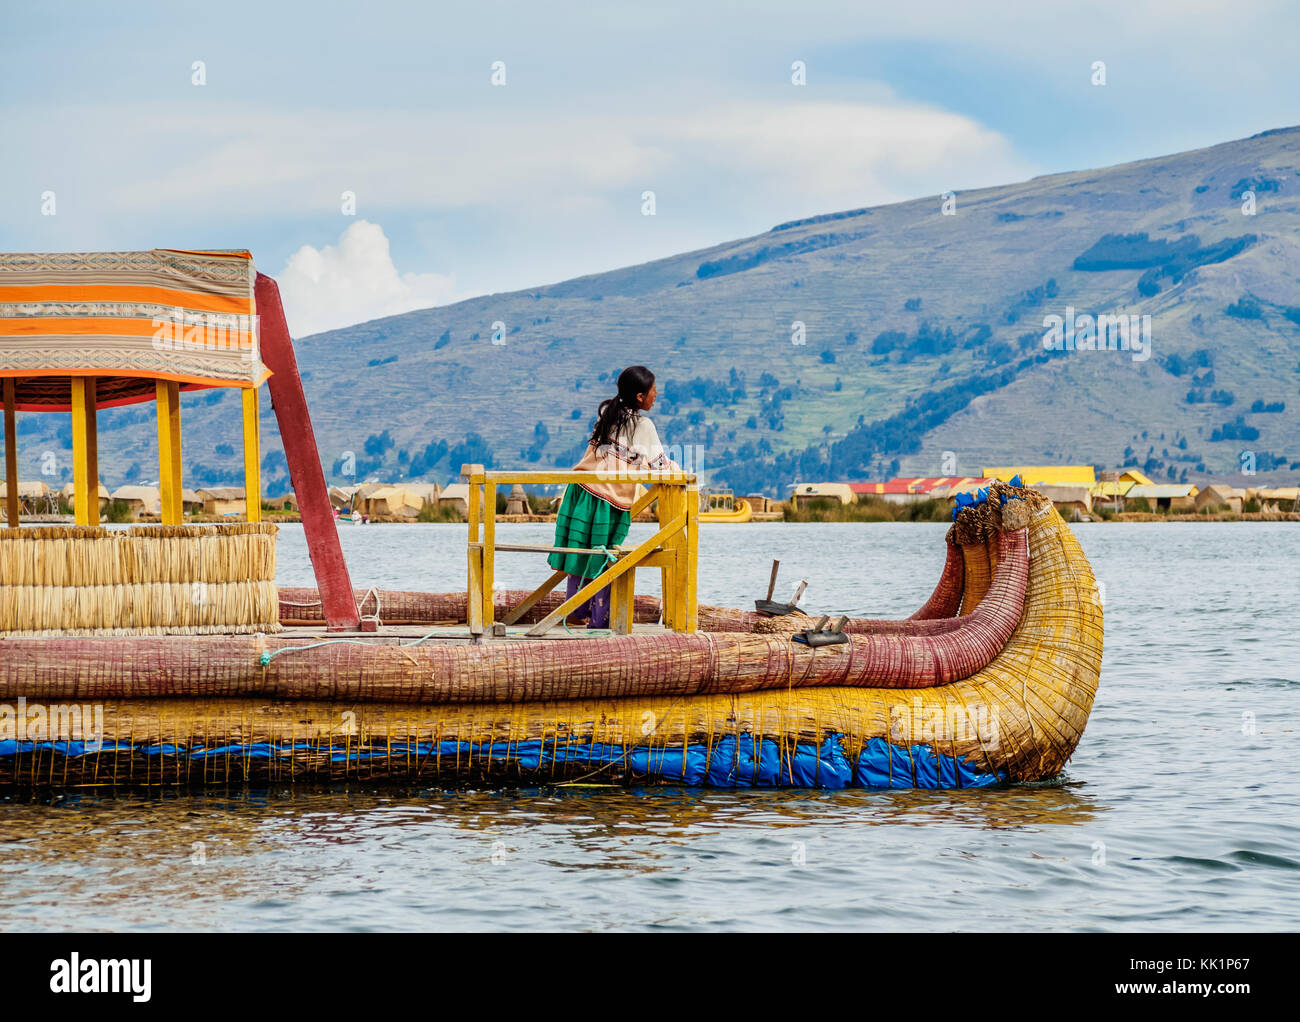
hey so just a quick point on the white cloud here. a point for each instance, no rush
(804, 153)
(354, 281)
(830, 156)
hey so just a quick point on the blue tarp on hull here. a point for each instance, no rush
(731, 762)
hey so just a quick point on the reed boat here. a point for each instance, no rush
(165, 655)
(739, 514)
(720, 506)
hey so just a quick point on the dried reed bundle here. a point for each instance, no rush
(184, 579)
(187, 608)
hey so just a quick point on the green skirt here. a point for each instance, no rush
(587, 521)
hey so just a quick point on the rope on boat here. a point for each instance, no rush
(269, 655)
(372, 591)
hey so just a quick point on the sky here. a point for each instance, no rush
(248, 125)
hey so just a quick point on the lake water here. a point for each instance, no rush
(1180, 810)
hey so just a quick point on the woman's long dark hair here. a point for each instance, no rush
(619, 412)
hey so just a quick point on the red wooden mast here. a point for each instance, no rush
(290, 404)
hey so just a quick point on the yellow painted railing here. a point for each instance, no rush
(674, 549)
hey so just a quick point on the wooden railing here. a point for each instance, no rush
(674, 549)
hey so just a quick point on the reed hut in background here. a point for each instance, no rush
(34, 498)
(455, 496)
(285, 502)
(517, 501)
(1220, 498)
(223, 500)
(899, 490)
(1073, 502)
(1283, 498)
(392, 502)
(427, 492)
(1177, 497)
(140, 500)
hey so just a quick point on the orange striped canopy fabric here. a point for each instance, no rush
(127, 319)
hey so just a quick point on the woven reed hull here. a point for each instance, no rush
(1017, 719)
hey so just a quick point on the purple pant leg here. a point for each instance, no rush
(600, 610)
(571, 586)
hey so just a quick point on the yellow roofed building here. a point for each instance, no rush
(1053, 475)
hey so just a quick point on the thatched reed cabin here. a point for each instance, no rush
(392, 502)
(191, 502)
(34, 498)
(1220, 498)
(223, 500)
(1280, 498)
(455, 496)
(285, 502)
(1179, 497)
(1073, 502)
(427, 492)
(140, 500)
(398, 500)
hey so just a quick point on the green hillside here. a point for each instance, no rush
(922, 333)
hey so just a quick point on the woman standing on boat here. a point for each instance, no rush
(597, 514)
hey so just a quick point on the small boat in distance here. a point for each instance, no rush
(721, 506)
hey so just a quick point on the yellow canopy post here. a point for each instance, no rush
(92, 450)
(168, 401)
(11, 455)
(252, 458)
(85, 457)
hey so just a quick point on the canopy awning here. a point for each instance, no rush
(128, 319)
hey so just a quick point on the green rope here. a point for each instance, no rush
(268, 655)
